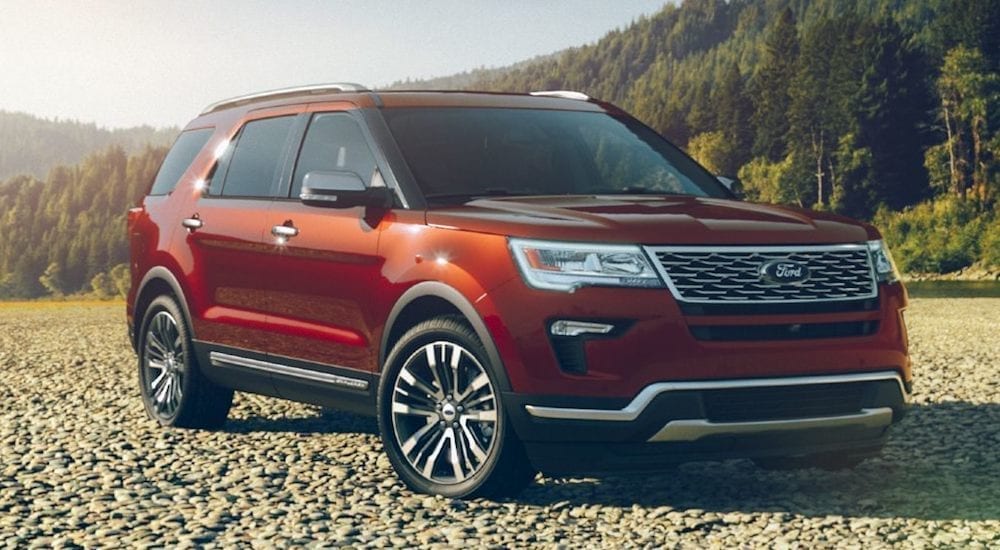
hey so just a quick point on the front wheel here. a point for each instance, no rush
(441, 417)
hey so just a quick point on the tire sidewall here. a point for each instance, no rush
(404, 348)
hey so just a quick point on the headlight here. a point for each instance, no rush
(885, 268)
(568, 266)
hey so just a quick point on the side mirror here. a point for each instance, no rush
(733, 185)
(342, 190)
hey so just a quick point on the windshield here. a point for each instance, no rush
(457, 154)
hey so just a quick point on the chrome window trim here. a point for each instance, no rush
(636, 407)
(693, 430)
(219, 359)
(651, 252)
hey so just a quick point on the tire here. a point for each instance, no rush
(478, 454)
(826, 461)
(174, 391)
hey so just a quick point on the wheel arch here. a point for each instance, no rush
(432, 299)
(158, 281)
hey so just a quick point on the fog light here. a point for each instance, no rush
(576, 328)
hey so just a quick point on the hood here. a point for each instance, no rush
(645, 219)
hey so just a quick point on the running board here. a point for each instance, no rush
(219, 359)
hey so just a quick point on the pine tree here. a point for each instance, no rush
(771, 87)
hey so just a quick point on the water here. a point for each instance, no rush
(954, 289)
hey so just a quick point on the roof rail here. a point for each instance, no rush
(565, 94)
(272, 94)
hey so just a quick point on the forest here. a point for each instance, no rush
(32, 145)
(66, 235)
(883, 110)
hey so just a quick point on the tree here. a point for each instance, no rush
(102, 286)
(890, 114)
(771, 87)
(776, 182)
(52, 279)
(734, 114)
(122, 279)
(713, 151)
(969, 94)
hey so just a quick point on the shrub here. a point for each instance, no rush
(940, 236)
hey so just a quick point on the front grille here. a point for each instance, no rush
(783, 402)
(797, 331)
(732, 275)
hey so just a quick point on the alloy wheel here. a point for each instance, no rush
(444, 412)
(164, 364)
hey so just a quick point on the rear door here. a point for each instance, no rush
(322, 278)
(225, 233)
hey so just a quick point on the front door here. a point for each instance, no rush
(323, 265)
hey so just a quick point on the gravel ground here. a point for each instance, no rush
(81, 465)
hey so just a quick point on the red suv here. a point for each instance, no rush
(511, 284)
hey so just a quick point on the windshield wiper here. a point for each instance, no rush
(633, 190)
(470, 195)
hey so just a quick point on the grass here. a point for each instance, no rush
(61, 304)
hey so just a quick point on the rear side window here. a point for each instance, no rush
(334, 143)
(178, 160)
(256, 162)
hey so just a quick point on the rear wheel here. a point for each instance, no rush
(441, 417)
(174, 391)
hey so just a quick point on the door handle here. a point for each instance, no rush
(286, 231)
(192, 223)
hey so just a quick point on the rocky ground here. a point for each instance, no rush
(81, 465)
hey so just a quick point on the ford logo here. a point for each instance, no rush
(784, 272)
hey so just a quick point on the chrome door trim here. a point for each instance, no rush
(221, 359)
(693, 430)
(636, 407)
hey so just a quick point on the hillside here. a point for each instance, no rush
(66, 234)
(471, 78)
(32, 145)
(807, 82)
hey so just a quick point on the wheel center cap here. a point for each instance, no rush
(448, 412)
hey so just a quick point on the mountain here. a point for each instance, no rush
(32, 145)
(471, 78)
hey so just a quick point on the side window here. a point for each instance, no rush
(177, 161)
(256, 159)
(334, 143)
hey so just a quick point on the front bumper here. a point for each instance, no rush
(655, 340)
(672, 422)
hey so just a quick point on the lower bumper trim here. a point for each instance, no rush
(638, 405)
(695, 429)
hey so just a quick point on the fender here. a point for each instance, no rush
(463, 305)
(163, 274)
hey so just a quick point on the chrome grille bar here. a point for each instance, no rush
(731, 274)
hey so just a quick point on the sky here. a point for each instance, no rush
(159, 62)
